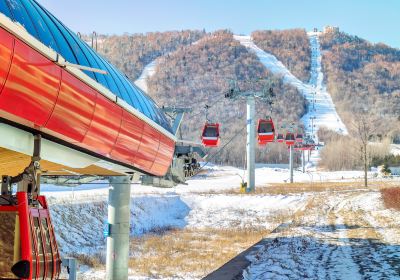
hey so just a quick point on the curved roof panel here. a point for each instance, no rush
(46, 28)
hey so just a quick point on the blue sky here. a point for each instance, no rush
(377, 21)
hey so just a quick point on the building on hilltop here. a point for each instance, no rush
(331, 29)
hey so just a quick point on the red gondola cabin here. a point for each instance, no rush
(280, 138)
(210, 135)
(265, 131)
(29, 249)
(290, 139)
(299, 138)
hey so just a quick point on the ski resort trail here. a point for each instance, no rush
(321, 111)
(147, 72)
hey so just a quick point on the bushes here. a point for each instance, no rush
(392, 160)
(343, 152)
(391, 197)
(340, 154)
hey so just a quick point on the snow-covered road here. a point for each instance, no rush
(321, 110)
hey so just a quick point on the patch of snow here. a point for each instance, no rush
(147, 72)
(395, 149)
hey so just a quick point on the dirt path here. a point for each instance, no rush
(330, 239)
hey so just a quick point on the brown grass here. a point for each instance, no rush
(286, 188)
(391, 197)
(95, 261)
(195, 252)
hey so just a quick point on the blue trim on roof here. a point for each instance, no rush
(45, 27)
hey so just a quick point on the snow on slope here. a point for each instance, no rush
(148, 71)
(79, 218)
(395, 149)
(324, 110)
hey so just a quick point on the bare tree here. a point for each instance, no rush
(364, 128)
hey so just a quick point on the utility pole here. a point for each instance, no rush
(312, 125)
(250, 145)
(314, 93)
(303, 161)
(291, 163)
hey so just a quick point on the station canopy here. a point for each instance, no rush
(46, 28)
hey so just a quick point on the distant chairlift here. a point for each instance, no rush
(265, 131)
(210, 136)
(290, 139)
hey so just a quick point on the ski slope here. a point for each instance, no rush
(147, 72)
(323, 112)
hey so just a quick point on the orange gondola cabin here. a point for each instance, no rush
(265, 131)
(210, 136)
(29, 249)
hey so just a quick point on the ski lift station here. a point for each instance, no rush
(66, 112)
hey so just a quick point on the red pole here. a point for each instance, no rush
(25, 236)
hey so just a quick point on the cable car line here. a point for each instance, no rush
(238, 132)
(219, 151)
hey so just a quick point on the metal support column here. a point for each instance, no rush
(118, 219)
(303, 161)
(291, 162)
(250, 145)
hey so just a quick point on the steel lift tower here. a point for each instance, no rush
(264, 93)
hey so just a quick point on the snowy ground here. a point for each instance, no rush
(395, 149)
(347, 231)
(320, 113)
(346, 236)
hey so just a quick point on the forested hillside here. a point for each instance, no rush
(363, 77)
(290, 46)
(198, 74)
(131, 53)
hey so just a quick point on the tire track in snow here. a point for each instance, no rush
(330, 241)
